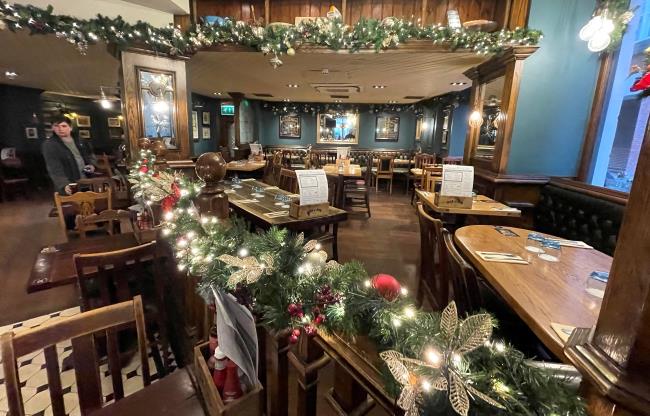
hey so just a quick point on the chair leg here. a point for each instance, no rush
(368, 204)
(390, 192)
(335, 241)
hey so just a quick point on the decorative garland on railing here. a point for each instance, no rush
(334, 34)
(440, 364)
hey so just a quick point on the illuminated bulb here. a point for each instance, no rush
(185, 192)
(590, 29)
(404, 291)
(475, 119)
(456, 359)
(160, 107)
(190, 235)
(191, 210)
(409, 312)
(181, 267)
(182, 243)
(499, 346)
(166, 231)
(106, 104)
(301, 269)
(169, 216)
(397, 323)
(426, 386)
(214, 220)
(317, 246)
(208, 258)
(600, 41)
(204, 220)
(500, 387)
(195, 250)
(432, 356)
(367, 283)
(243, 252)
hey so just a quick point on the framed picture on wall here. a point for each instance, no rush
(205, 133)
(83, 121)
(419, 126)
(113, 122)
(206, 117)
(31, 132)
(339, 128)
(84, 134)
(195, 125)
(387, 129)
(290, 126)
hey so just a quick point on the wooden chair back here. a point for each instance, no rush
(463, 278)
(288, 181)
(335, 184)
(103, 165)
(430, 176)
(84, 203)
(433, 267)
(80, 329)
(424, 159)
(385, 165)
(108, 220)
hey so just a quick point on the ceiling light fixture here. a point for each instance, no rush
(458, 83)
(11, 74)
(286, 100)
(379, 87)
(216, 93)
(293, 85)
(392, 102)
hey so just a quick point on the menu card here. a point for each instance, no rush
(256, 149)
(342, 152)
(457, 180)
(313, 186)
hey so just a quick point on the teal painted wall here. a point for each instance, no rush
(556, 92)
(458, 131)
(269, 131)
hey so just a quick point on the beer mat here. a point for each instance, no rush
(501, 257)
(562, 331)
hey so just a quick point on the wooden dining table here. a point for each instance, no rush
(54, 265)
(245, 165)
(264, 211)
(351, 171)
(481, 206)
(540, 292)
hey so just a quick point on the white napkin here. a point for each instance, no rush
(501, 257)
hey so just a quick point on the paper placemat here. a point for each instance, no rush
(562, 331)
(501, 257)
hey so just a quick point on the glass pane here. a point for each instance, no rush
(625, 113)
(158, 109)
(493, 91)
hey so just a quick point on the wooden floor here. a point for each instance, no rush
(388, 242)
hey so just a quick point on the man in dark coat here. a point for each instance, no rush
(67, 159)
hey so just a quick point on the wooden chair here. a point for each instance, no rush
(111, 277)
(420, 161)
(452, 160)
(273, 177)
(13, 179)
(103, 165)
(107, 220)
(431, 175)
(80, 329)
(385, 165)
(288, 181)
(358, 191)
(464, 282)
(82, 203)
(434, 282)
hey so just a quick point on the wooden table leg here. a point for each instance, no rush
(347, 397)
(277, 373)
(307, 359)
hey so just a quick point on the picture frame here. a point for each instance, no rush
(289, 126)
(195, 125)
(114, 122)
(206, 117)
(337, 128)
(84, 134)
(157, 103)
(419, 127)
(205, 133)
(387, 128)
(83, 121)
(31, 133)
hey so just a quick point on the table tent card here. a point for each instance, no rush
(342, 152)
(313, 186)
(457, 180)
(256, 149)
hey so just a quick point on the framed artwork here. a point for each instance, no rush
(290, 126)
(83, 121)
(419, 127)
(113, 122)
(158, 105)
(195, 125)
(337, 128)
(445, 125)
(31, 132)
(387, 129)
(84, 134)
(206, 117)
(206, 133)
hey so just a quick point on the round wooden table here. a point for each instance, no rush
(541, 292)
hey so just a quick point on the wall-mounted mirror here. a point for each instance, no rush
(338, 128)
(158, 105)
(491, 112)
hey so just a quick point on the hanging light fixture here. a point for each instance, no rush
(475, 119)
(597, 32)
(106, 101)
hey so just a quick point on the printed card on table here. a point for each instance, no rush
(457, 180)
(313, 186)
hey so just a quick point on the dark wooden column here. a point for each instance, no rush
(237, 98)
(615, 361)
(277, 373)
(307, 359)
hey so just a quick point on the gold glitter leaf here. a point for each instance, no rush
(449, 320)
(408, 401)
(300, 239)
(487, 399)
(399, 371)
(440, 384)
(331, 265)
(248, 275)
(311, 244)
(458, 395)
(474, 331)
(232, 260)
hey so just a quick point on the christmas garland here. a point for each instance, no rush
(437, 364)
(334, 34)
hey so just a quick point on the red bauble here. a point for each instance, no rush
(387, 286)
(167, 203)
(145, 161)
(293, 339)
(295, 332)
(319, 319)
(144, 169)
(642, 83)
(295, 310)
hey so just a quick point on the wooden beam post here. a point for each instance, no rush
(615, 360)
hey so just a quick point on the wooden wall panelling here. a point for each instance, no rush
(518, 13)
(287, 10)
(237, 9)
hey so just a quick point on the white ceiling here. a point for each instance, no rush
(52, 64)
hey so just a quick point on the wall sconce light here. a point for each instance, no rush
(476, 119)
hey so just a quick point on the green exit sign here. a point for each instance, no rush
(227, 110)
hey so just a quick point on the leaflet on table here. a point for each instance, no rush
(256, 149)
(342, 152)
(313, 186)
(457, 180)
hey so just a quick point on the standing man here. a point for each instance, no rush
(67, 159)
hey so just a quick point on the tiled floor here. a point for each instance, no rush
(33, 375)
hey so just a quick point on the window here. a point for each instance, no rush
(625, 113)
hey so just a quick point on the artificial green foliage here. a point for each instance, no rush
(334, 34)
(286, 274)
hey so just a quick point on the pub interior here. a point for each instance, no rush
(302, 207)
